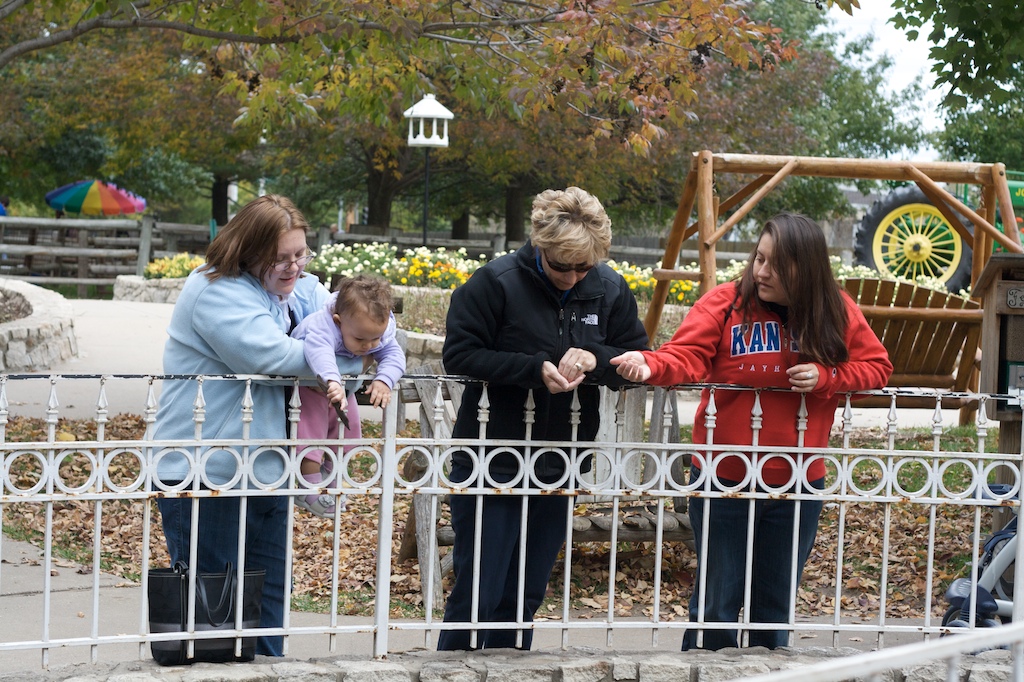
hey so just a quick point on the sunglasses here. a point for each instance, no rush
(568, 267)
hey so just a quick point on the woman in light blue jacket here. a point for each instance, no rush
(233, 317)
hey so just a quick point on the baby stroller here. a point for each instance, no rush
(994, 593)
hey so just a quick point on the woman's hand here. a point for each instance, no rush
(804, 377)
(555, 382)
(632, 365)
(576, 363)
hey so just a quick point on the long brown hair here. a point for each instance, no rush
(249, 240)
(817, 313)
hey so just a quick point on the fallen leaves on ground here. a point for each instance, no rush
(121, 525)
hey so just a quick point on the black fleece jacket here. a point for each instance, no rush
(507, 320)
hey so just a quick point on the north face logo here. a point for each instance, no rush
(590, 319)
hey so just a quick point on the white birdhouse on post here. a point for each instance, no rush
(428, 123)
(426, 131)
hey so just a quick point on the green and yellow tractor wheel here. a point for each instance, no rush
(908, 237)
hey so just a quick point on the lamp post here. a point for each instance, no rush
(424, 118)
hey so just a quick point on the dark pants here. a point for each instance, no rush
(499, 563)
(726, 564)
(266, 527)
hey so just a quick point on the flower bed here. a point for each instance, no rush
(446, 269)
(439, 269)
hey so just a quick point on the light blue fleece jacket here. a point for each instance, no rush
(232, 325)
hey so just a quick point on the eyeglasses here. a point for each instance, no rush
(284, 265)
(568, 267)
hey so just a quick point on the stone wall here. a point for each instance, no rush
(505, 665)
(135, 288)
(420, 349)
(42, 339)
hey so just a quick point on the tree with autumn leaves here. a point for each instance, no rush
(820, 103)
(550, 94)
(620, 64)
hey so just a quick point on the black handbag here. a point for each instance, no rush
(215, 610)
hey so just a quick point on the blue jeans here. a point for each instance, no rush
(266, 527)
(726, 563)
(499, 562)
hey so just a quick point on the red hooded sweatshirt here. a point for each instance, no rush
(711, 346)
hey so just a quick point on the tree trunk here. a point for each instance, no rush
(515, 214)
(381, 187)
(220, 199)
(460, 226)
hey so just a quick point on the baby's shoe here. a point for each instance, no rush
(320, 504)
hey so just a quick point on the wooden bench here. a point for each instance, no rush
(932, 337)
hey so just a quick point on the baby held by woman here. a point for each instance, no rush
(355, 322)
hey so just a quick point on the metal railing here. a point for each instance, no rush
(639, 482)
(948, 652)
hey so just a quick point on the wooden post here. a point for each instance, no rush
(1001, 348)
(1009, 442)
(83, 262)
(145, 245)
(675, 243)
(323, 238)
(982, 240)
(32, 237)
(706, 219)
(1005, 202)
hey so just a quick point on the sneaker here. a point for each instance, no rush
(320, 505)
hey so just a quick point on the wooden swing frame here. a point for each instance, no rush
(699, 192)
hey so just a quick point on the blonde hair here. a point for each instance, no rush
(572, 224)
(249, 240)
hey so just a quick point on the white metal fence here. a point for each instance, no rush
(65, 483)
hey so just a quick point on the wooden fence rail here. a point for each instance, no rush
(83, 252)
(87, 252)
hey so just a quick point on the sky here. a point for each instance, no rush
(911, 58)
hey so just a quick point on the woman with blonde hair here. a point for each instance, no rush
(542, 319)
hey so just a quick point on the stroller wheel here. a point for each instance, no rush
(955, 624)
(952, 619)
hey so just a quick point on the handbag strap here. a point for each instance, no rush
(226, 603)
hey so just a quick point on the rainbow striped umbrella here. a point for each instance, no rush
(93, 197)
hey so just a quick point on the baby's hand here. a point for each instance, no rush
(336, 394)
(380, 394)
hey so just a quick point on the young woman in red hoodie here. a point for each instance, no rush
(786, 324)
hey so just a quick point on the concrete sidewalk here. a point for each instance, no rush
(114, 337)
